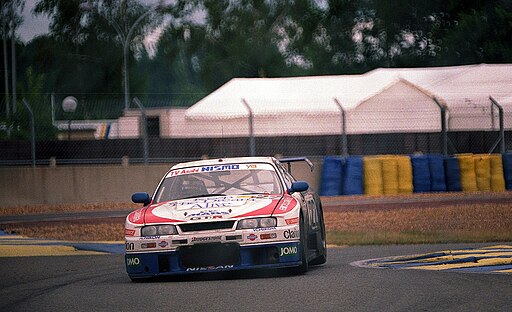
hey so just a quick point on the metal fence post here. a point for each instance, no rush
(144, 130)
(52, 103)
(32, 131)
(252, 144)
(344, 141)
(444, 133)
(502, 126)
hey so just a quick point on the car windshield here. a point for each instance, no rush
(233, 179)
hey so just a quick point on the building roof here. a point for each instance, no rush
(453, 86)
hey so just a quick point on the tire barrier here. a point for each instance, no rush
(497, 178)
(421, 173)
(437, 177)
(452, 174)
(387, 175)
(483, 172)
(467, 173)
(372, 176)
(353, 177)
(400, 174)
(507, 170)
(405, 177)
(332, 173)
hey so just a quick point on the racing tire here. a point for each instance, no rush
(304, 266)
(322, 257)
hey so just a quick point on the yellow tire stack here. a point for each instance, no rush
(481, 172)
(387, 175)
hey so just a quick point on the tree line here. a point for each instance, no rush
(188, 48)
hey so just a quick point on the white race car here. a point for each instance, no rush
(225, 214)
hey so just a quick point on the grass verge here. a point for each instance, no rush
(489, 222)
(455, 224)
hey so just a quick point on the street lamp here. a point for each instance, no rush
(69, 105)
(125, 40)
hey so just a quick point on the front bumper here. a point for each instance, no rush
(211, 257)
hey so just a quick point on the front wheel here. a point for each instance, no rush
(322, 250)
(303, 268)
(322, 258)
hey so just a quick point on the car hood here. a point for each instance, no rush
(214, 208)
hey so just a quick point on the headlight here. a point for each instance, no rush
(256, 223)
(153, 230)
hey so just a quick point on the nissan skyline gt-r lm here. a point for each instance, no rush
(225, 214)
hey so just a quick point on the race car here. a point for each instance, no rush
(226, 214)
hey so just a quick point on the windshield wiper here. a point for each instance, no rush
(256, 193)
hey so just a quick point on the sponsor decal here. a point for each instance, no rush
(252, 237)
(163, 244)
(206, 212)
(129, 246)
(149, 237)
(210, 268)
(147, 245)
(128, 232)
(268, 236)
(219, 202)
(292, 221)
(285, 204)
(251, 166)
(210, 205)
(219, 168)
(132, 261)
(288, 251)
(289, 234)
(179, 241)
(233, 237)
(206, 218)
(137, 215)
(206, 239)
(264, 229)
(183, 171)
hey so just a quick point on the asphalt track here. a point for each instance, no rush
(98, 282)
(46, 275)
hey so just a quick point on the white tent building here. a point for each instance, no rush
(465, 90)
(384, 100)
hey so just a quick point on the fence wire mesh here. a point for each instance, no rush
(160, 130)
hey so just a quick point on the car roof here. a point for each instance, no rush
(223, 161)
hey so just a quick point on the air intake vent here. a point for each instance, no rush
(206, 226)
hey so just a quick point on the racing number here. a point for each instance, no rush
(129, 246)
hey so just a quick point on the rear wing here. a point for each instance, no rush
(296, 159)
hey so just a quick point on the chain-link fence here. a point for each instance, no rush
(159, 128)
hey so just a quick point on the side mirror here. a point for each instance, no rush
(298, 186)
(141, 197)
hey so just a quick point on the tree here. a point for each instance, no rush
(236, 39)
(11, 15)
(479, 33)
(87, 30)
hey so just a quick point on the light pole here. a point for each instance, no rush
(69, 105)
(126, 47)
(125, 41)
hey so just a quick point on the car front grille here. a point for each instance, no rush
(206, 226)
(206, 255)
